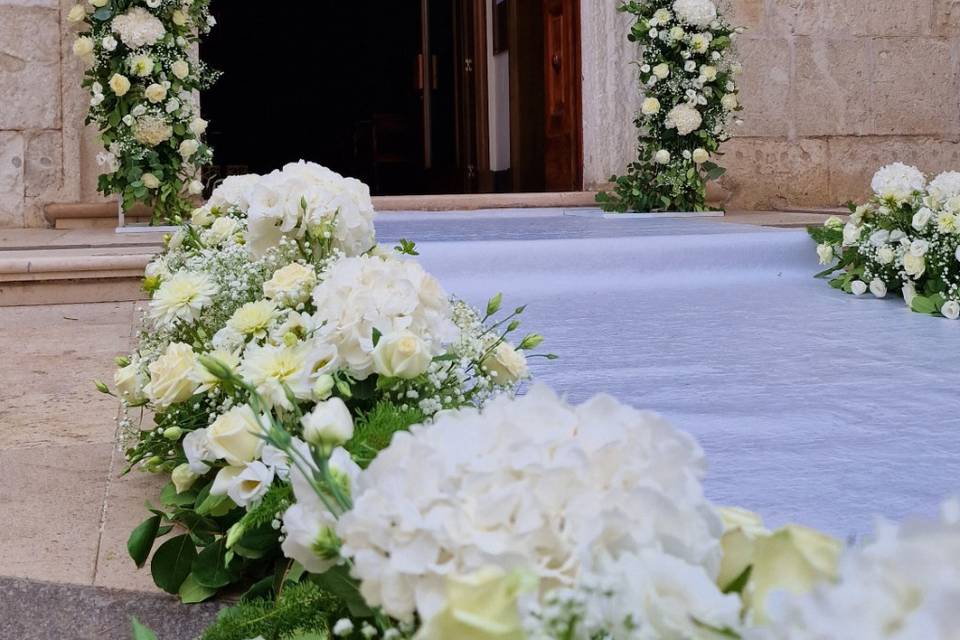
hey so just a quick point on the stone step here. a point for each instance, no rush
(90, 215)
(32, 610)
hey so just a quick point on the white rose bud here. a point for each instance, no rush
(323, 387)
(662, 157)
(506, 364)
(329, 424)
(183, 477)
(650, 106)
(878, 288)
(950, 309)
(858, 287)
(150, 181)
(921, 218)
(401, 355)
(700, 156)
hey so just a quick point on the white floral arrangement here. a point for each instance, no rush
(278, 281)
(142, 76)
(689, 82)
(905, 240)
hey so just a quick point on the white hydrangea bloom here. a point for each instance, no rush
(684, 118)
(699, 13)
(903, 586)
(898, 181)
(358, 295)
(138, 28)
(530, 483)
(945, 186)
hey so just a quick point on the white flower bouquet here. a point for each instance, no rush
(141, 76)
(276, 305)
(905, 240)
(689, 82)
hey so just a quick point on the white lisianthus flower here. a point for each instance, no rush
(173, 376)
(150, 181)
(291, 285)
(137, 28)
(180, 69)
(493, 488)
(235, 436)
(182, 297)
(77, 13)
(188, 148)
(119, 84)
(662, 71)
(885, 255)
(401, 355)
(700, 155)
(650, 107)
(851, 234)
(183, 477)
(662, 157)
(921, 218)
(196, 447)
(730, 101)
(914, 265)
(329, 424)
(898, 181)
(858, 287)
(950, 309)
(141, 66)
(83, 47)
(919, 247)
(825, 253)
(272, 369)
(684, 118)
(155, 93)
(365, 293)
(699, 13)
(250, 484)
(878, 288)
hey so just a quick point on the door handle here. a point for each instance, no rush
(555, 61)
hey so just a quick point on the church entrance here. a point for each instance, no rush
(412, 96)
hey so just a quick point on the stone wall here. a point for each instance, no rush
(832, 89)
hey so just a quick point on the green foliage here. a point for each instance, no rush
(141, 632)
(301, 608)
(374, 430)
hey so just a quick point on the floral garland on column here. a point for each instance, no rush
(142, 78)
(690, 90)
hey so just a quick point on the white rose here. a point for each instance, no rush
(202, 216)
(198, 126)
(155, 93)
(183, 477)
(188, 148)
(885, 255)
(109, 43)
(119, 84)
(77, 13)
(950, 309)
(709, 72)
(220, 230)
(690, 66)
(172, 376)
(921, 218)
(662, 70)
(700, 156)
(858, 287)
(650, 106)
(234, 436)
(878, 288)
(506, 364)
(401, 355)
(180, 68)
(662, 157)
(150, 181)
(914, 265)
(129, 381)
(291, 285)
(195, 187)
(919, 247)
(825, 253)
(851, 234)
(179, 18)
(329, 423)
(82, 46)
(730, 101)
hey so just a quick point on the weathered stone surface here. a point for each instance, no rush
(765, 95)
(29, 67)
(862, 17)
(11, 179)
(765, 172)
(747, 14)
(854, 160)
(916, 88)
(946, 17)
(832, 87)
(43, 165)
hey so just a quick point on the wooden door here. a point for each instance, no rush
(563, 137)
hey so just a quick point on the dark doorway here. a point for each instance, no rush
(393, 93)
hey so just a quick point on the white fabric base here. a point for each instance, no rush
(813, 406)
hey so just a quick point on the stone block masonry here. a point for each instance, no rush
(832, 89)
